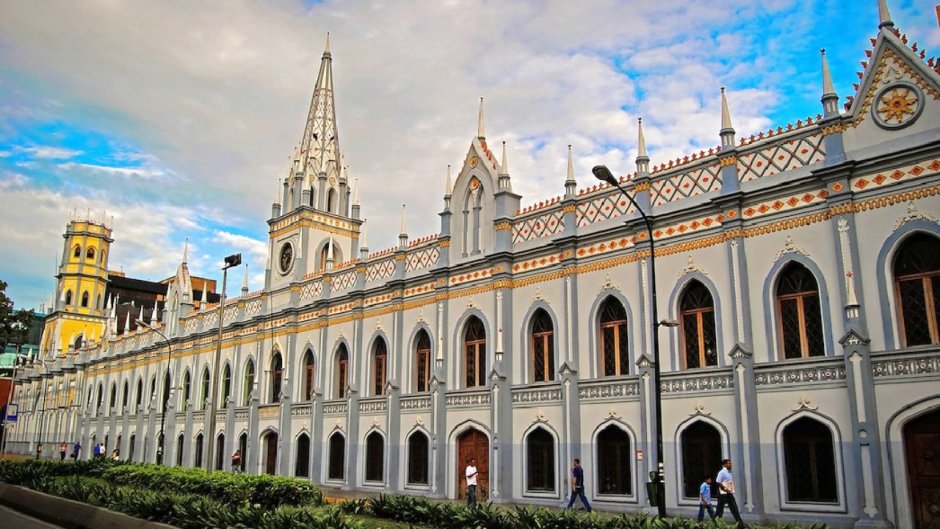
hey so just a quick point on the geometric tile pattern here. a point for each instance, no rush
(344, 281)
(684, 185)
(311, 289)
(422, 258)
(780, 157)
(380, 270)
(784, 204)
(544, 225)
(915, 170)
(608, 206)
(253, 307)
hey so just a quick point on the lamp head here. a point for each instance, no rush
(233, 260)
(602, 173)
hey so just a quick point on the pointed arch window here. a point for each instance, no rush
(309, 373)
(471, 217)
(302, 464)
(68, 297)
(331, 202)
(375, 457)
(113, 399)
(810, 462)
(422, 362)
(614, 462)
(800, 321)
(543, 347)
(187, 391)
(277, 377)
(179, 450)
(418, 454)
(540, 461)
(615, 359)
(379, 367)
(204, 394)
(226, 386)
(90, 253)
(125, 395)
(917, 288)
(248, 383)
(84, 299)
(140, 394)
(337, 464)
(77, 252)
(475, 353)
(701, 455)
(197, 461)
(342, 371)
(697, 318)
(166, 391)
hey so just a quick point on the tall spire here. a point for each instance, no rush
(245, 281)
(355, 201)
(884, 16)
(319, 147)
(504, 165)
(363, 240)
(570, 183)
(642, 159)
(480, 121)
(830, 99)
(503, 182)
(204, 300)
(727, 131)
(127, 323)
(185, 251)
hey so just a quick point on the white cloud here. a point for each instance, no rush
(51, 153)
(146, 173)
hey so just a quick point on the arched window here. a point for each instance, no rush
(104, 260)
(375, 457)
(800, 323)
(113, 399)
(84, 299)
(701, 455)
(187, 390)
(342, 371)
(248, 383)
(308, 376)
(68, 297)
(331, 204)
(917, 287)
(166, 391)
(90, 253)
(220, 451)
(543, 347)
(153, 387)
(197, 462)
(125, 394)
(614, 462)
(179, 450)
(337, 466)
(422, 362)
(302, 465)
(204, 394)
(540, 461)
(243, 450)
(226, 385)
(418, 459)
(697, 317)
(475, 353)
(472, 208)
(77, 252)
(269, 453)
(140, 394)
(810, 462)
(98, 302)
(277, 376)
(131, 445)
(379, 366)
(615, 358)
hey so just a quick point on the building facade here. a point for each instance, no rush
(802, 266)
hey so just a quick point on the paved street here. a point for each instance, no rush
(16, 520)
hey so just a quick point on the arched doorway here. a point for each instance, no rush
(219, 451)
(701, 456)
(473, 444)
(922, 451)
(270, 453)
(243, 447)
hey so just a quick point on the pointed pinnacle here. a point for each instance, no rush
(356, 192)
(245, 278)
(185, 251)
(329, 250)
(363, 239)
(641, 139)
(505, 165)
(449, 184)
(480, 121)
(326, 50)
(828, 88)
(570, 166)
(725, 113)
(884, 16)
(404, 219)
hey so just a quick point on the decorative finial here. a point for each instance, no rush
(326, 50)
(245, 281)
(186, 250)
(404, 218)
(727, 130)
(571, 185)
(356, 192)
(329, 249)
(480, 121)
(505, 164)
(363, 239)
(884, 16)
(828, 88)
(449, 185)
(641, 139)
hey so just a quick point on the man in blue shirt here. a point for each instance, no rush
(726, 493)
(705, 499)
(577, 485)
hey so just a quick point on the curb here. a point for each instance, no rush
(67, 513)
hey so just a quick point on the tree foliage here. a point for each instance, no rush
(14, 325)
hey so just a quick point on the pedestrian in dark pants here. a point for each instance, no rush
(472, 483)
(705, 499)
(726, 493)
(63, 448)
(577, 486)
(38, 450)
(76, 450)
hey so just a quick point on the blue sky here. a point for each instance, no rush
(176, 119)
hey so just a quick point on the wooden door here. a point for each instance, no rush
(270, 460)
(473, 443)
(922, 449)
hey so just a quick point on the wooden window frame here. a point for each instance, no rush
(615, 325)
(546, 339)
(309, 374)
(379, 368)
(700, 325)
(423, 378)
(800, 298)
(277, 378)
(933, 326)
(342, 373)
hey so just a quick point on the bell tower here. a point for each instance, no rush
(79, 312)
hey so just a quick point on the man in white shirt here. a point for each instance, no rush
(472, 483)
(726, 493)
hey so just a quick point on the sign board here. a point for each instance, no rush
(10, 414)
(639, 455)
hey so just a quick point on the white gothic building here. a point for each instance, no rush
(802, 265)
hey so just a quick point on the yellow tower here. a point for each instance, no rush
(80, 308)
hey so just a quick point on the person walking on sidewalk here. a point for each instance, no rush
(63, 448)
(577, 486)
(726, 493)
(705, 499)
(38, 450)
(472, 482)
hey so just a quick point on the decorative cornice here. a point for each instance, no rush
(503, 225)
(726, 161)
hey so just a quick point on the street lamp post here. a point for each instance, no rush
(230, 261)
(166, 394)
(6, 411)
(601, 172)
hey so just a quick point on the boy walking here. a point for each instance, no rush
(577, 486)
(705, 499)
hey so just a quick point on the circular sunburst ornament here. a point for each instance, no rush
(897, 106)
